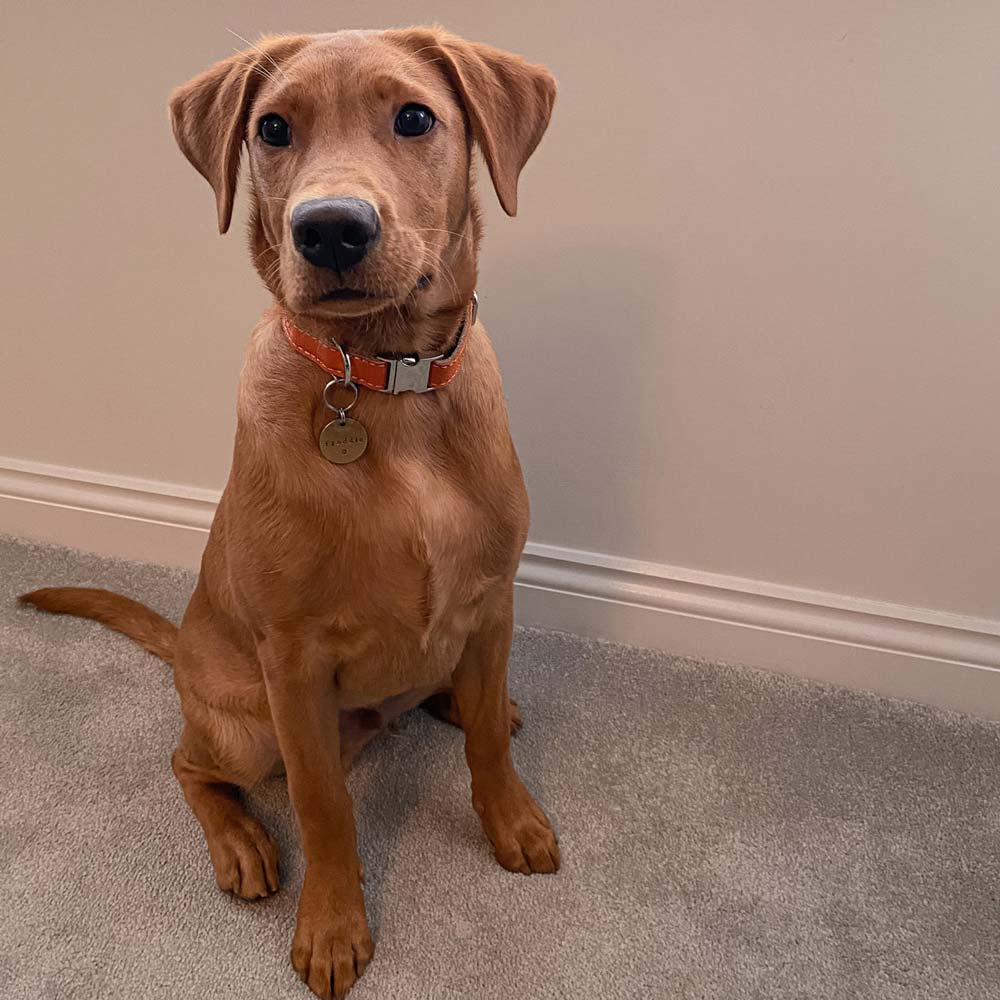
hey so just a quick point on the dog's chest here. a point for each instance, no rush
(425, 552)
(436, 545)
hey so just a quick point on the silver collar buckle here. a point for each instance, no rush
(412, 373)
(409, 373)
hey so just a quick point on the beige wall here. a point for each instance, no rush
(748, 316)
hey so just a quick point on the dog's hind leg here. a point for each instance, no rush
(244, 856)
(444, 706)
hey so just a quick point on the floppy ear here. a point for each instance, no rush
(209, 115)
(508, 101)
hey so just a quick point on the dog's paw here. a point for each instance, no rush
(332, 945)
(522, 837)
(245, 859)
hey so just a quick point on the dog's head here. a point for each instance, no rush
(359, 149)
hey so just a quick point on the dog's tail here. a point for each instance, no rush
(139, 623)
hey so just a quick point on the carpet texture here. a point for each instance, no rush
(726, 834)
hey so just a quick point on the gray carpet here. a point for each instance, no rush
(726, 834)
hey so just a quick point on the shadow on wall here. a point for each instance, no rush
(589, 358)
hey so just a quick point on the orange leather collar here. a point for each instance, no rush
(406, 373)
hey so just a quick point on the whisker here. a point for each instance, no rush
(447, 272)
(276, 248)
(256, 67)
(423, 48)
(265, 54)
(450, 232)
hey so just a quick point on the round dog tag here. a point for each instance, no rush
(343, 441)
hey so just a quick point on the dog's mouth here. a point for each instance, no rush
(360, 295)
(346, 295)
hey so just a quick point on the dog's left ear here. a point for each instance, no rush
(209, 114)
(508, 101)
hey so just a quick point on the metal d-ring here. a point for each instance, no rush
(347, 363)
(335, 383)
(346, 382)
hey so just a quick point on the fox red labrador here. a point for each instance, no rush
(363, 555)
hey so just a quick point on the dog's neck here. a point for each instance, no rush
(427, 323)
(422, 326)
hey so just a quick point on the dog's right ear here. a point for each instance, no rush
(209, 114)
(508, 101)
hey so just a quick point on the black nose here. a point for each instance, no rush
(335, 232)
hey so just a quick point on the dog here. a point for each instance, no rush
(362, 558)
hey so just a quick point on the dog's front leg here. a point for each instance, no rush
(519, 831)
(332, 943)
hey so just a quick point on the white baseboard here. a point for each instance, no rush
(111, 515)
(936, 657)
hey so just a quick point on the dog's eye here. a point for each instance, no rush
(274, 130)
(414, 119)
